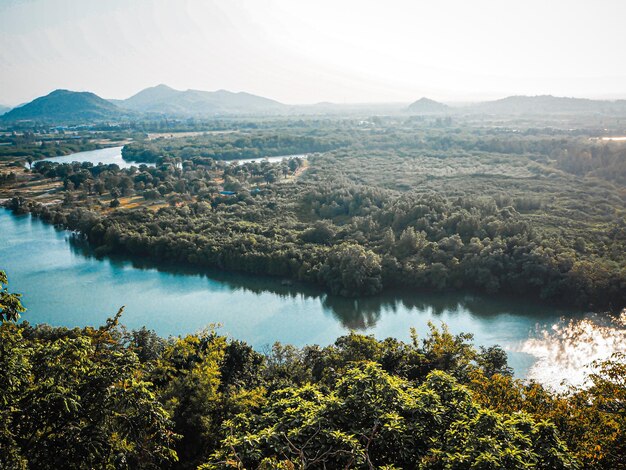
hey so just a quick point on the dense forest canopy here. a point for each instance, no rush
(377, 204)
(236, 145)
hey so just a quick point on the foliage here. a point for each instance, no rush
(395, 206)
(10, 304)
(371, 419)
(78, 399)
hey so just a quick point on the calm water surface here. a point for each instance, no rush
(65, 285)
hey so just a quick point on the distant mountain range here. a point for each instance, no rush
(72, 106)
(64, 106)
(162, 99)
(548, 104)
(527, 105)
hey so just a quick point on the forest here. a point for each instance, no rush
(229, 145)
(106, 397)
(375, 205)
(32, 147)
(288, 235)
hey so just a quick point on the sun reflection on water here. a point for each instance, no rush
(565, 351)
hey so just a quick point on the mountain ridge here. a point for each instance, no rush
(524, 104)
(162, 99)
(73, 106)
(65, 105)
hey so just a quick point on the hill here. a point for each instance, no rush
(548, 104)
(162, 99)
(428, 106)
(4, 109)
(65, 106)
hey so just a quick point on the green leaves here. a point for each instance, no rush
(10, 304)
(370, 419)
(77, 399)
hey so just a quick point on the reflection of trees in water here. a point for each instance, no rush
(364, 313)
(230, 280)
(360, 314)
(357, 314)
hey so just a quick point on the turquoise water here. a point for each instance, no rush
(64, 284)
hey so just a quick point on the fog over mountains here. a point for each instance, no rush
(162, 100)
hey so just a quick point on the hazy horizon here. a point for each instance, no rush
(353, 52)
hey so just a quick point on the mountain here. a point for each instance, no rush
(162, 99)
(65, 106)
(145, 98)
(548, 104)
(4, 109)
(428, 106)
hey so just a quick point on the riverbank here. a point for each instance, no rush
(54, 272)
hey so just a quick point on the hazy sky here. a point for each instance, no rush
(299, 51)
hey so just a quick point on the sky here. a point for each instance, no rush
(308, 51)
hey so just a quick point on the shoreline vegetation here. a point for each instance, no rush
(133, 399)
(383, 205)
(353, 236)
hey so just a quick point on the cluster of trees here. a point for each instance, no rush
(473, 208)
(232, 146)
(607, 160)
(33, 147)
(359, 240)
(201, 178)
(111, 398)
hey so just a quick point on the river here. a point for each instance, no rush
(105, 156)
(64, 284)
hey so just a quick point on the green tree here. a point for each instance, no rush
(370, 419)
(77, 399)
(10, 304)
(351, 270)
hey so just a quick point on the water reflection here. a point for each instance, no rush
(64, 284)
(354, 314)
(566, 351)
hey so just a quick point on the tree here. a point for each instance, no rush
(188, 377)
(77, 399)
(10, 304)
(321, 233)
(351, 270)
(493, 360)
(371, 419)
